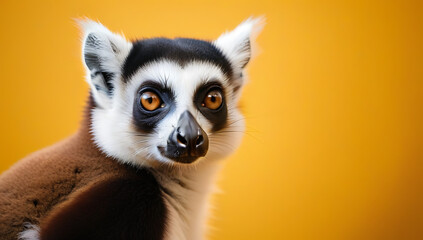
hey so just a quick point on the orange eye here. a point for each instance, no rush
(213, 100)
(150, 101)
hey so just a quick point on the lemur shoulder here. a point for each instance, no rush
(161, 115)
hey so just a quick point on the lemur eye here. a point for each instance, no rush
(150, 101)
(213, 100)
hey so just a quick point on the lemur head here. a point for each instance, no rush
(166, 101)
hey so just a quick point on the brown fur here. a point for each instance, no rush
(127, 207)
(40, 183)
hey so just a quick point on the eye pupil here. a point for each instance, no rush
(213, 100)
(150, 101)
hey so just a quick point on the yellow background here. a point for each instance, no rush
(334, 143)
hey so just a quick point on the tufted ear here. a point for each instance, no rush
(237, 44)
(103, 53)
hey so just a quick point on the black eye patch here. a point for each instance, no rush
(218, 117)
(146, 120)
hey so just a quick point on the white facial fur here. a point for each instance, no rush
(112, 121)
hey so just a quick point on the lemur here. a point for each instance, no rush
(161, 115)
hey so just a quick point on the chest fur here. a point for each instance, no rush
(186, 196)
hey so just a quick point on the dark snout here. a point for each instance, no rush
(188, 141)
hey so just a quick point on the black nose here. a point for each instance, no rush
(188, 141)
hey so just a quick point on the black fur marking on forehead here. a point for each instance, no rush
(181, 50)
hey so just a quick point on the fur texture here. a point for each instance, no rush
(31, 232)
(110, 180)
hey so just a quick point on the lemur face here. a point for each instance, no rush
(167, 101)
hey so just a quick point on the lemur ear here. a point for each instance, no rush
(103, 53)
(237, 44)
